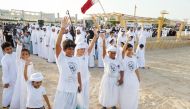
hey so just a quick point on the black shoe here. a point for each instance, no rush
(114, 107)
(104, 108)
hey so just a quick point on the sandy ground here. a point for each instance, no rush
(166, 85)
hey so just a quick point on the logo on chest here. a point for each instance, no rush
(72, 67)
(131, 65)
(113, 68)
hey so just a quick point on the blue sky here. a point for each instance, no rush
(178, 9)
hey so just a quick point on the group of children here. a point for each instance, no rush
(120, 82)
(119, 85)
(21, 85)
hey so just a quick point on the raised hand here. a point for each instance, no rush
(95, 30)
(28, 62)
(65, 22)
(18, 42)
(102, 35)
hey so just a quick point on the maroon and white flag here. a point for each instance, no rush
(87, 5)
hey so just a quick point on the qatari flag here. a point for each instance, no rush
(87, 5)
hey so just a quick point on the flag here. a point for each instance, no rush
(87, 5)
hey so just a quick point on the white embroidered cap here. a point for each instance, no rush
(81, 45)
(79, 28)
(36, 77)
(111, 49)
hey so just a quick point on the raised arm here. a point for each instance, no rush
(102, 35)
(26, 69)
(64, 24)
(79, 82)
(93, 41)
(124, 50)
(18, 49)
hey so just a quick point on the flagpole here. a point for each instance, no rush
(94, 18)
(135, 11)
(72, 27)
(103, 11)
(102, 6)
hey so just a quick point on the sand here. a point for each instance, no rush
(166, 85)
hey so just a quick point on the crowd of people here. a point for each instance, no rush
(114, 48)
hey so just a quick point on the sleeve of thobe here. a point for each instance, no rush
(18, 51)
(121, 66)
(52, 42)
(5, 69)
(30, 70)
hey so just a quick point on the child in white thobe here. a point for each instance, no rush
(82, 53)
(9, 76)
(66, 94)
(140, 56)
(19, 94)
(112, 78)
(128, 98)
(35, 91)
(69, 76)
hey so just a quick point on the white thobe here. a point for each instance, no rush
(121, 39)
(52, 43)
(20, 94)
(39, 41)
(142, 38)
(83, 96)
(100, 52)
(129, 91)
(34, 42)
(66, 94)
(140, 54)
(9, 76)
(46, 42)
(91, 57)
